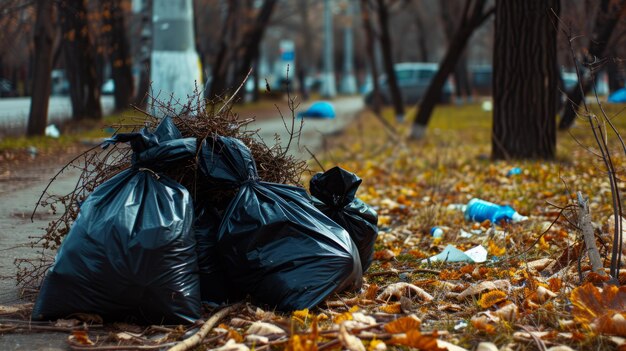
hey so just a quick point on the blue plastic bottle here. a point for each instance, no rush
(478, 210)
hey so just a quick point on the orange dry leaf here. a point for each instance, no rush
(394, 308)
(495, 250)
(403, 325)
(415, 339)
(371, 292)
(491, 298)
(80, 337)
(603, 311)
(485, 322)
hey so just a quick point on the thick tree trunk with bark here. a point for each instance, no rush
(252, 40)
(369, 47)
(385, 44)
(145, 52)
(220, 65)
(474, 15)
(42, 84)
(119, 52)
(609, 14)
(525, 79)
(79, 60)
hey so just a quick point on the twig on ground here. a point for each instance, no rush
(194, 340)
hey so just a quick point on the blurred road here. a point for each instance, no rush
(20, 189)
(14, 111)
(313, 129)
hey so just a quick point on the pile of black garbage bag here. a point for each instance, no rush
(143, 250)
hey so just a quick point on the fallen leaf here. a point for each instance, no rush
(349, 341)
(544, 294)
(403, 325)
(371, 291)
(602, 310)
(394, 308)
(485, 322)
(232, 345)
(491, 298)
(417, 340)
(398, 290)
(484, 286)
(264, 329)
(80, 337)
(507, 312)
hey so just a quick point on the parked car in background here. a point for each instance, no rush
(413, 80)
(7, 89)
(481, 79)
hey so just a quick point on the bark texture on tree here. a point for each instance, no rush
(386, 47)
(221, 63)
(145, 52)
(42, 84)
(369, 48)
(609, 14)
(119, 52)
(79, 60)
(525, 79)
(251, 42)
(474, 15)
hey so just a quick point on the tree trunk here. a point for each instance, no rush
(385, 43)
(422, 35)
(220, 65)
(42, 84)
(369, 47)
(609, 14)
(119, 52)
(252, 40)
(79, 60)
(525, 79)
(473, 16)
(143, 87)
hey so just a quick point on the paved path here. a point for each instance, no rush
(20, 191)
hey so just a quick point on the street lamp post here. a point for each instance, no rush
(348, 81)
(328, 83)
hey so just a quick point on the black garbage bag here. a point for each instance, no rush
(213, 287)
(275, 245)
(131, 255)
(334, 194)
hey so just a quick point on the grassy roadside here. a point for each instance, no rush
(527, 289)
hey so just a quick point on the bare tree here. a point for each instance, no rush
(369, 48)
(79, 60)
(474, 14)
(227, 38)
(608, 16)
(251, 40)
(525, 79)
(387, 50)
(42, 85)
(119, 52)
(144, 52)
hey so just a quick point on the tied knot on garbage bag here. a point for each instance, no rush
(278, 247)
(158, 150)
(131, 253)
(334, 194)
